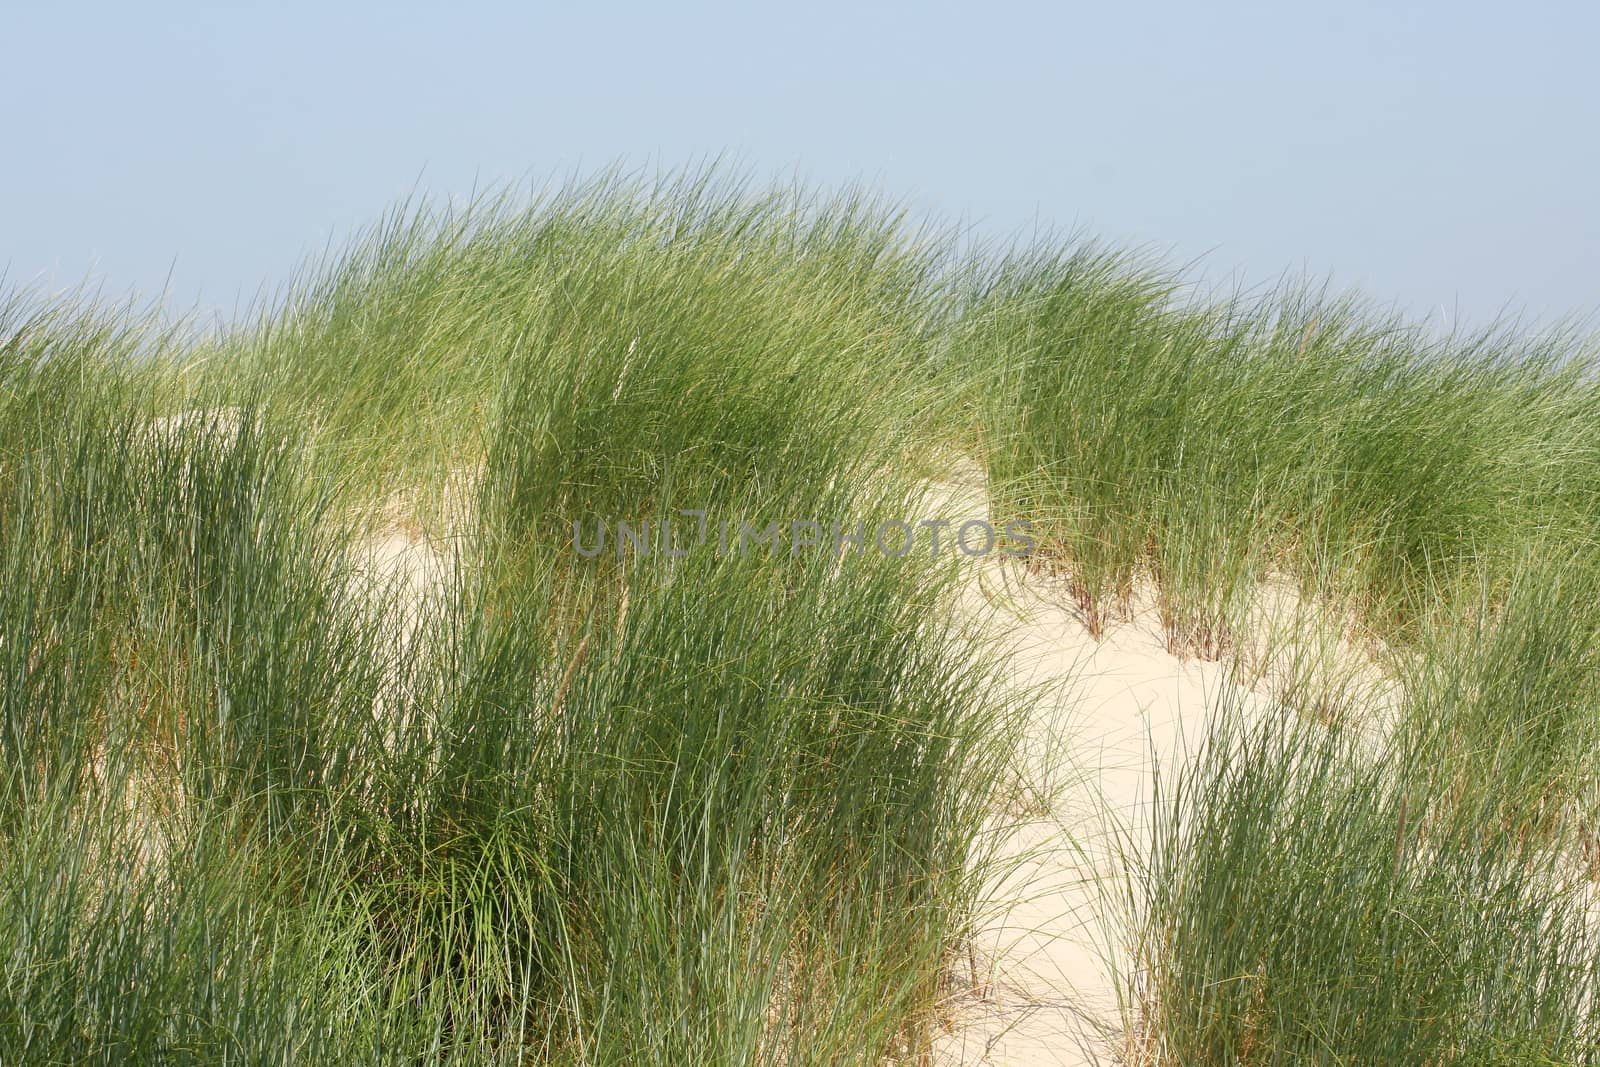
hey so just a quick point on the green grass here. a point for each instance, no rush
(262, 805)
(1207, 445)
(261, 808)
(1308, 902)
(1420, 895)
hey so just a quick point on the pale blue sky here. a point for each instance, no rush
(1439, 155)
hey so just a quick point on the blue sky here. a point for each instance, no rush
(1442, 156)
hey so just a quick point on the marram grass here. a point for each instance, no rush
(262, 804)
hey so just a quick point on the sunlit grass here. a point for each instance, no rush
(263, 801)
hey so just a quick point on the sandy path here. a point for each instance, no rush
(1112, 710)
(1115, 710)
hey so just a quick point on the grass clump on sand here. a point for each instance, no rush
(1209, 444)
(1310, 901)
(1422, 892)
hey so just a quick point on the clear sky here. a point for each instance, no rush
(1440, 155)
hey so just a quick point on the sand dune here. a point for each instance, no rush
(1041, 983)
